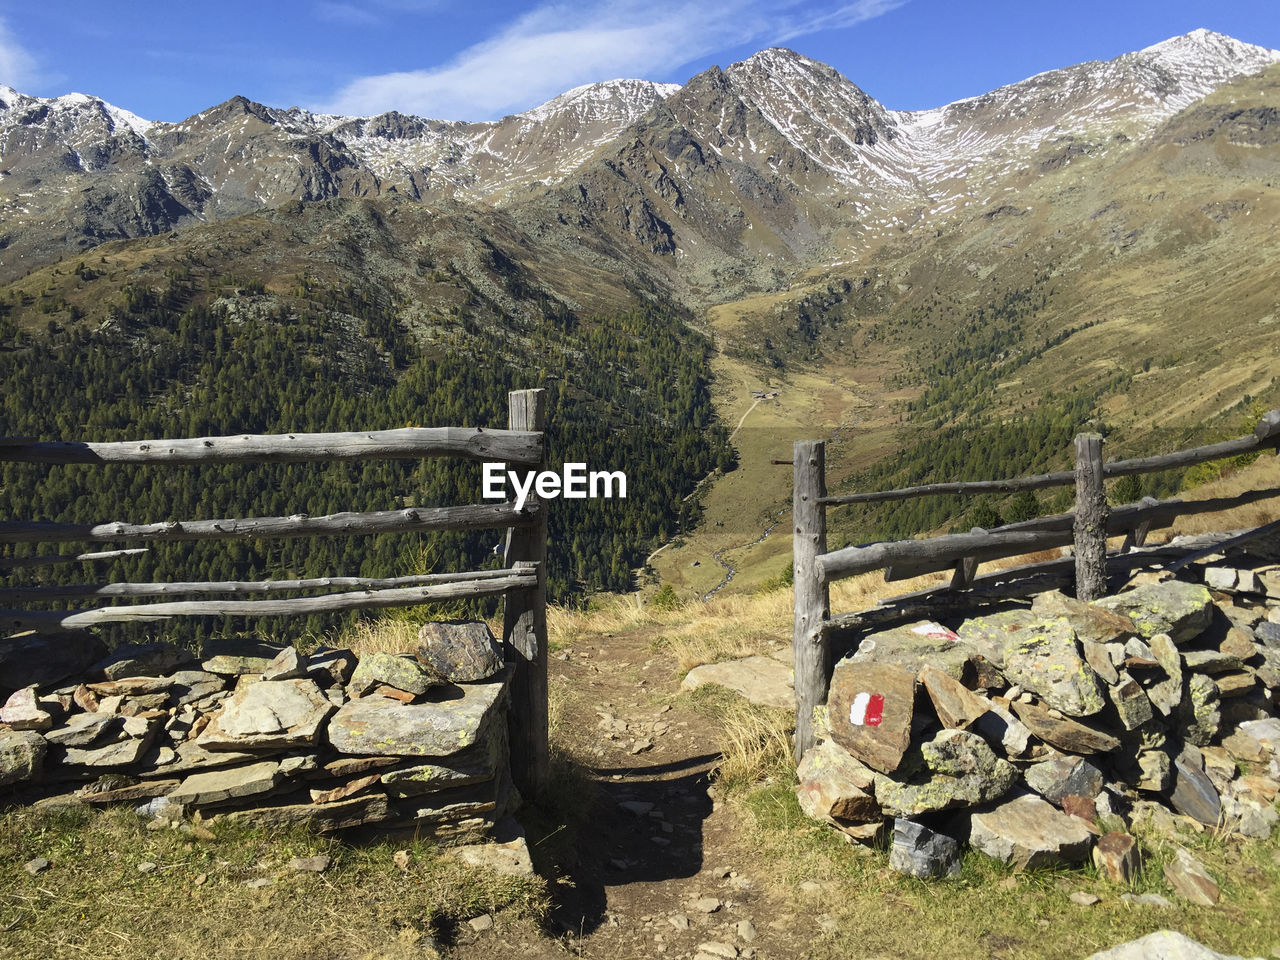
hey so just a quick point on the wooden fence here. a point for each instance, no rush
(522, 581)
(1086, 528)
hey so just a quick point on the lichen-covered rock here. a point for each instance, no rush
(1091, 623)
(835, 786)
(269, 714)
(926, 643)
(481, 763)
(964, 772)
(1182, 610)
(1131, 702)
(1026, 832)
(460, 651)
(21, 755)
(1203, 702)
(1063, 732)
(1045, 659)
(381, 727)
(399, 672)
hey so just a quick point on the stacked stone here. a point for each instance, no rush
(263, 734)
(1038, 735)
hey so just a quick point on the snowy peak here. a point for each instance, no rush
(612, 100)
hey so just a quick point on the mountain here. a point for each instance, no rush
(953, 291)
(735, 180)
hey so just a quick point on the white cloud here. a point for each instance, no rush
(17, 67)
(561, 45)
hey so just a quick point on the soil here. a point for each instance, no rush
(659, 866)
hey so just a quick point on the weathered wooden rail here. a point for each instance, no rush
(522, 583)
(1087, 528)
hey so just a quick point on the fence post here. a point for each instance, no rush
(524, 625)
(812, 601)
(1090, 526)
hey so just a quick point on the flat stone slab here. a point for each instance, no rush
(1028, 832)
(1182, 610)
(229, 783)
(1193, 793)
(1063, 732)
(140, 660)
(469, 767)
(869, 710)
(22, 711)
(436, 728)
(323, 818)
(762, 680)
(954, 703)
(269, 714)
(460, 651)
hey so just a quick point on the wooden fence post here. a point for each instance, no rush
(524, 626)
(1090, 526)
(812, 601)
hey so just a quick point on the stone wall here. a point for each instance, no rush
(246, 731)
(1039, 734)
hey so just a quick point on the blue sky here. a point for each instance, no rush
(481, 60)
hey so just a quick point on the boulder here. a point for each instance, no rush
(34, 659)
(921, 852)
(835, 786)
(269, 714)
(401, 673)
(870, 709)
(761, 680)
(21, 755)
(1027, 832)
(439, 728)
(1182, 610)
(460, 651)
(1064, 776)
(1131, 703)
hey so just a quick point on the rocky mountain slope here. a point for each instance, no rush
(735, 180)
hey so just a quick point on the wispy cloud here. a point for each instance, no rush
(18, 68)
(565, 44)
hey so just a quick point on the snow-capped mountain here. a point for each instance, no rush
(773, 156)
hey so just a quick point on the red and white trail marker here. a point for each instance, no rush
(867, 709)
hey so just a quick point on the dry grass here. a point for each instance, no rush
(1263, 473)
(755, 747)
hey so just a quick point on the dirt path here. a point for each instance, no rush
(658, 868)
